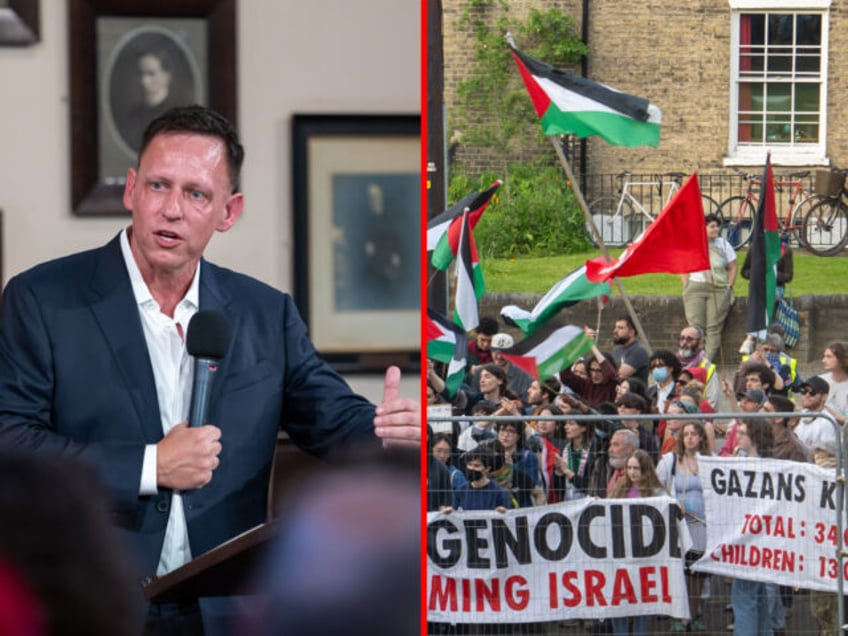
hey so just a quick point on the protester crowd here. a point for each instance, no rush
(498, 465)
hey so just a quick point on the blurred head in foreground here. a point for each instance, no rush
(62, 570)
(347, 560)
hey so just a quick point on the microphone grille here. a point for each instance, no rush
(208, 335)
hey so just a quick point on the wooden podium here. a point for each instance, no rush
(222, 571)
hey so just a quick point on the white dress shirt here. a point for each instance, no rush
(173, 372)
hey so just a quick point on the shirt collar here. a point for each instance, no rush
(140, 290)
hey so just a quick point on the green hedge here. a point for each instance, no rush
(534, 213)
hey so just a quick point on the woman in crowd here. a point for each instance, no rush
(640, 480)
(632, 385)
(600, 385)
(835, 363)
(751, 612)
(512, 438)
(552, 440)
(691, 394)
(573, 467)
(674, 426)
(443, 450)
(678, 471)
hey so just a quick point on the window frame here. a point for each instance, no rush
(813, 154)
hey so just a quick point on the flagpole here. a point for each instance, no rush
(599, 239)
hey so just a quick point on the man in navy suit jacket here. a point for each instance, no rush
(93, 361)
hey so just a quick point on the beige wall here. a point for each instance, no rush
(317, 56)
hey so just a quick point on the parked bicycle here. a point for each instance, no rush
(623, 218)
(738, 211)
(825, 226)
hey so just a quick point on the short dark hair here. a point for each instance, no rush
(782, 404)
(668, 359)
(486, 453)
(632, 401)
(765, 374)
(484, 407)
(628, 320)
(712, 218)
(202, 121)
(488, 326)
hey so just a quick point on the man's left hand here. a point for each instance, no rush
(398, 420)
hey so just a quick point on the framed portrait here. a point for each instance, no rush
(19, 22)
(131, 61)
(357, 237)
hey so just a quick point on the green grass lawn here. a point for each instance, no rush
(813, 275)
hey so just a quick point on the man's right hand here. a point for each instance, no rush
(186, 457)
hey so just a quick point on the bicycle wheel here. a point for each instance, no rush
(796, 218)
(710, 205)
(612, 224)
(825, 228)
(737, 215)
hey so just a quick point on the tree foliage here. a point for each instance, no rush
(535, 212)
(494, 110)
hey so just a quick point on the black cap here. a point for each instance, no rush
(817, 384)
(208, 335)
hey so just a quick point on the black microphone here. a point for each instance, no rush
(207, 340)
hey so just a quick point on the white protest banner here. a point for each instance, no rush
(590, 558)
(770, 520)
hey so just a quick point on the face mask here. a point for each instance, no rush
(473, 475)
(660, 374)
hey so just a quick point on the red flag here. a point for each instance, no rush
(675, 243)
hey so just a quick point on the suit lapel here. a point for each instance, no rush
(215, 296)
(116, 312)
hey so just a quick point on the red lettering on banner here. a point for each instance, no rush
(516, 597)
(622, 588)
(486, 598)
(442, 598)
(568, 583)
(553, 597)
(490, 594)
(595, 581)
(647, 585)
(666, 593)
(755, 557)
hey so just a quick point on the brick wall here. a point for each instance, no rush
(677, 54)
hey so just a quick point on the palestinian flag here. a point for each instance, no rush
(447, 343)
(765, 252)
(543, 355)
(571, 105)
(568, 291)
(443, 230)
(469, 279)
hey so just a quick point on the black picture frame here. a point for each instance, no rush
(20, 23)
(95, 190)
(356, 227)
